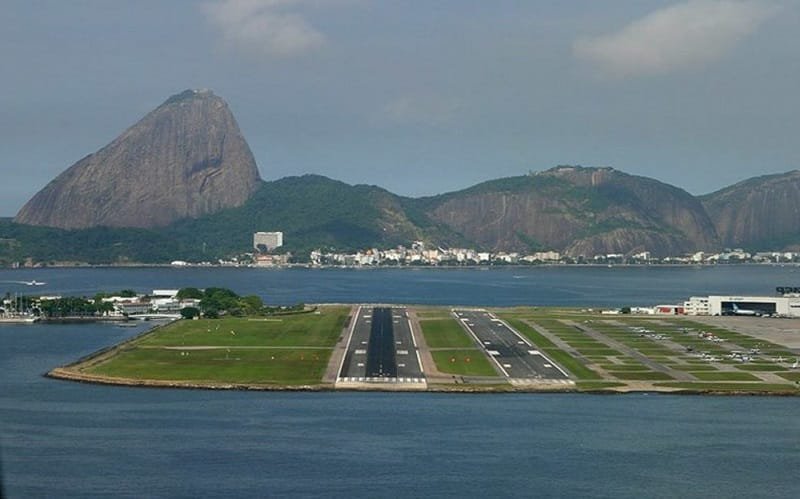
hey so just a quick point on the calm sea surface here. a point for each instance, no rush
(62, 439)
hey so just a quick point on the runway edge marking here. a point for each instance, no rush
(475, 336)
(527, 342)
(349, 338)
(414, 342)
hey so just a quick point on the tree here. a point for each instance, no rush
(190, 312)
(189, 294)
(251, 304)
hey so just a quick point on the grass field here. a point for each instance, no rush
(307, 330)
(445, 333)
(221, 365)
(463, 362)
(288, 350)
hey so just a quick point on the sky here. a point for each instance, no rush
(418, 96)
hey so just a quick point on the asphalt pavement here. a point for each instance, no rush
(381, 348)
(513, 354)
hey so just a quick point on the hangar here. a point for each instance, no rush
(785, 306)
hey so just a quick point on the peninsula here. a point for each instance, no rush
(522, 349)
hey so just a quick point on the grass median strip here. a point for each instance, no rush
(463, 362)
(445, 333)
(724, 376)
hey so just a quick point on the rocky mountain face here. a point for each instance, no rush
(187, 158)
(579, 211)
(762, 212)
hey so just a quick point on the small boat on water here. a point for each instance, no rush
(18, 319)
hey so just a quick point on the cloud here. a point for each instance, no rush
(432, 111)
(682, 36)
(270, 28)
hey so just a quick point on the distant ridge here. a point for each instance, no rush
(761, 212)
(182, 183)
(579, 211)
(187, 158)
(574, 210)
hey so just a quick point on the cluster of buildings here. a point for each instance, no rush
(785, 303)
(159, 302)
(420, 254)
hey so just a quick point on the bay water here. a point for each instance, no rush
(64, 439)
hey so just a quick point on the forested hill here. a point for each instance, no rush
(575, 210)
(312, 211)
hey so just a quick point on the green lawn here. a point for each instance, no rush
(537, 338)
(222, 365)
(640, 375)
(445, 333)
(571, 364)
(723, 376)
(308, 330)
(791, 376)
(463, 362)
(761, 367)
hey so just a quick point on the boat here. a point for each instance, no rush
(18, 319)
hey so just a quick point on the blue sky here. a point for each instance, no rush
(418, 96)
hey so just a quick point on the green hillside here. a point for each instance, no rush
(312, 211)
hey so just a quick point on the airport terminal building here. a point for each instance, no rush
(787, 305)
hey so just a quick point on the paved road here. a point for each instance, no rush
(381, 348)
(512, 353)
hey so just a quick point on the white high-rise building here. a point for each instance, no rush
(267, 241)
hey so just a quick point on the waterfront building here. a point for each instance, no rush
(267, 241)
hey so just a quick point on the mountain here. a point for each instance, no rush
(578, 211)
(187, 158)
(760, 213)
(314, 211)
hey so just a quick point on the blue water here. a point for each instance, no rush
(63, 439)
(576, 286)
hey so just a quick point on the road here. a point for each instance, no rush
(513, 354)
(381, 348)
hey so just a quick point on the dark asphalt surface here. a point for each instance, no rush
(381, 347)
(514, 355)
(381, 361)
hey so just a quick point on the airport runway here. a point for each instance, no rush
(381, 348)
(513, 354)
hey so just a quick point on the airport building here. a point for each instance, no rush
(782, 306)
(267, 241)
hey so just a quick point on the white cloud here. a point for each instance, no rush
(685, 35)
(428, 110)
(269, 28)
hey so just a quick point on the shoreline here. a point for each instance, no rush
(436, 382)
(310, 266)
(64, 374)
